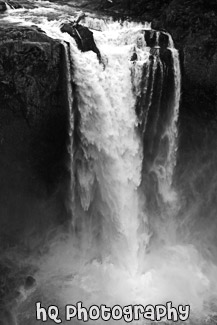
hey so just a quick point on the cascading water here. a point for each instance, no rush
(122, 248)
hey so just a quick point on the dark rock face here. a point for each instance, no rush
(33, 133)
(2, 6)
(83, 37)
(151, 38)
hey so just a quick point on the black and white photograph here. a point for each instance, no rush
(108, 162)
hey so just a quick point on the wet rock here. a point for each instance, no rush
(163, 40)
(83, 37)
(2, 6)
(166, 57)
(150, 38)
(134, 57)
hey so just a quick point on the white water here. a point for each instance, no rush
(8, 7)
(165, 171)
(111, 263)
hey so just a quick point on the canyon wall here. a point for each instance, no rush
(33, 133)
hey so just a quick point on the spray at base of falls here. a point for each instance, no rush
(123, 159)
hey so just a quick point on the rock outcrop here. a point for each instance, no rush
(3, 6)
(33, 133)
(83, 37)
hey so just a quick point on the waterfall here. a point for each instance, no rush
(122, 245)
(122, 122)
(124, 113)
(109, 158)
(109, 155)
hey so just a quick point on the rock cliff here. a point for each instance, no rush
(192, 24)
(33, 132)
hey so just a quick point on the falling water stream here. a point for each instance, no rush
(122, 247)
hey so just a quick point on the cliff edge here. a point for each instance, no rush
(33, 132)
